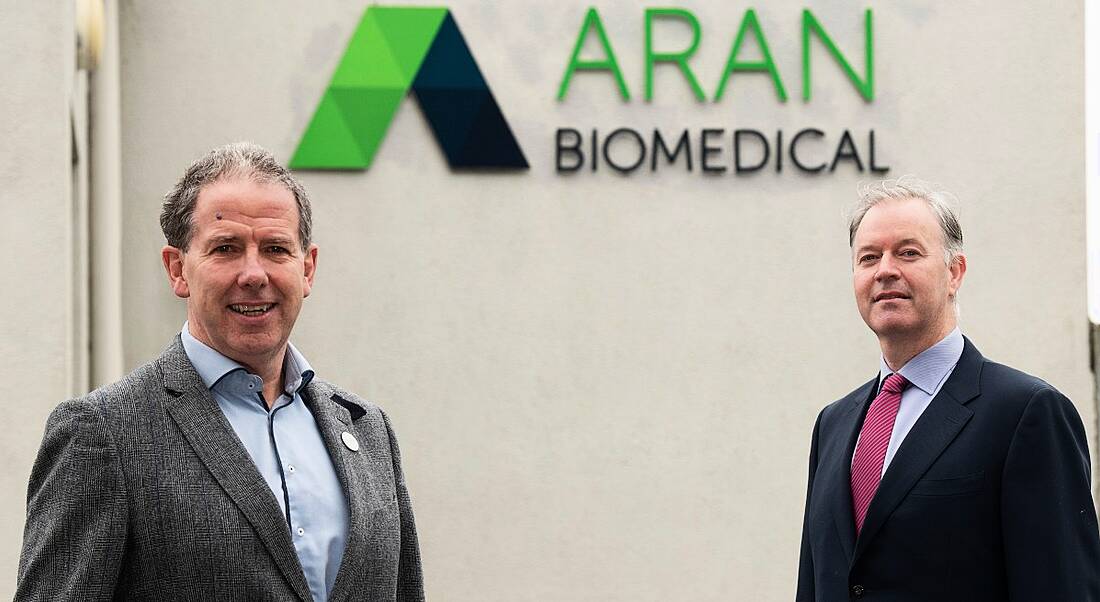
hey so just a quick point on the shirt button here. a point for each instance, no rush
(290, 468)
(857, 590)
(301, 531)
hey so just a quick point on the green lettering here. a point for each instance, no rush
(768, 65)
(679, 58)
(592, 21)
(865, 86)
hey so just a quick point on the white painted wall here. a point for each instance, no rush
(604, 386)
(1092, 152)
(39, 321)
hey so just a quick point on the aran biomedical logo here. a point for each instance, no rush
(395, 51)
(392, 51)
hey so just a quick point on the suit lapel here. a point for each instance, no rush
(202, 423)
(353, 469)
(839, 492)
(936, 428)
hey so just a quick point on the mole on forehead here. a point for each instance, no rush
(232, 215)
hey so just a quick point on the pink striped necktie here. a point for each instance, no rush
(874, 438)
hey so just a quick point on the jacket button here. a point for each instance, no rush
(857, 591)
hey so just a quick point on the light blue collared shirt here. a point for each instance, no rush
(926, 374)
(287, 448)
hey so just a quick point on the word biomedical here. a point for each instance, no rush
(747, 150)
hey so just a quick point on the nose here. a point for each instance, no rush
(887, 268)
(252, 273)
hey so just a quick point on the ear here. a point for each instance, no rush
(957, 270)
(173, 265)
(310, 268)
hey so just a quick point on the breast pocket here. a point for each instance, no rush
(951, 486)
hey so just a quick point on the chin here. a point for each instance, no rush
(899, 334)
(891, 325)
(254, 346)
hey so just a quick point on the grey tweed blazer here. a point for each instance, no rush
(142, 491)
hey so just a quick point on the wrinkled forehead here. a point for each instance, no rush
(241, 203)
(892, 221)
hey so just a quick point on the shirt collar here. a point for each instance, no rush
(928, 369)
(212, 366)
(296, 370)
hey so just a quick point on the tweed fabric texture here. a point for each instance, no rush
(142, 491)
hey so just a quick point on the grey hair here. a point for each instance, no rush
(240, 159)
(907, 187)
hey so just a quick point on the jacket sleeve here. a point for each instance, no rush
(805, 591)
(1051, 544)
(410, 579)
(77, 514)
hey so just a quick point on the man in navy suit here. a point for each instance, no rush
(948, 476)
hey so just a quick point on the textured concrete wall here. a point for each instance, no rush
(36, 225)
(604, 386)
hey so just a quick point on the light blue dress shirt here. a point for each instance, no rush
(926, 373)
(287, 448)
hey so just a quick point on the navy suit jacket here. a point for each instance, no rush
(987, 498)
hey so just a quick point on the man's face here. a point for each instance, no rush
(903, 287)
(244, 274)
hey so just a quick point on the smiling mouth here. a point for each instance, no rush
(251, 310)
(889, 297)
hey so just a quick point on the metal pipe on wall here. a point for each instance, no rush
(106, 205)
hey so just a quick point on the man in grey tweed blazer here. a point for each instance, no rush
(223, 470)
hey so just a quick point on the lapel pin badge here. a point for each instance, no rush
(350, 441)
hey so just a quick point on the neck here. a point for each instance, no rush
(897, 351)
(269, 368)
(273, 385)
(271, 371)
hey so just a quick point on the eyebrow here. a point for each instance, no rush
(278, 240)
(227, 238)
(224, 238)
(900, 243)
